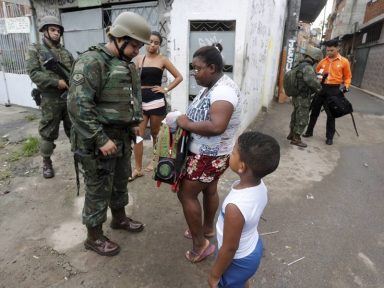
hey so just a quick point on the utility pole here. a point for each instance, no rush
(290, 44)
(322, 27)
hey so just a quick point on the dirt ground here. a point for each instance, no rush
(41, 235)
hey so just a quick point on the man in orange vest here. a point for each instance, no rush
(335, 71)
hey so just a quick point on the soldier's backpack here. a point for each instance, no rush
(170, 156)
(293, 82)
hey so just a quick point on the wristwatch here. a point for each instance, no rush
(166, 90)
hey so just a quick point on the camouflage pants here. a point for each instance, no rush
(106, 179)
(300, 114)
(53, 111)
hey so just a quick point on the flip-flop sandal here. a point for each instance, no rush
(195, 257)
(188, 235)
(136, 174)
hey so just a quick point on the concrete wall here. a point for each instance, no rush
(17, 88)
(374, 69)
(373, 10)
(259, 33)
(348, 13)
(262, 55)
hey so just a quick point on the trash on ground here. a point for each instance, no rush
(268, 233)
(297, 260)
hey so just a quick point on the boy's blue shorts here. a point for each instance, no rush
(240, 270)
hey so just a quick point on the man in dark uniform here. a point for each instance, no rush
(104, 104)
(51, 85)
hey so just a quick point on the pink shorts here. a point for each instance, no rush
(205, 168)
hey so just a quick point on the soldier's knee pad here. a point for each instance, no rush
(46, 148)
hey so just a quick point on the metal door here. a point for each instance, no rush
(361, 57)
(82, 29)
(87, 27)
(203, 33)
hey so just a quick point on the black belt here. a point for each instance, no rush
(331, 85)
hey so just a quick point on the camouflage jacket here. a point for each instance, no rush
(308, 83)
(44, 79)
(104, 93)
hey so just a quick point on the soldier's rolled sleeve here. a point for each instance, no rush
(38, 75)
(84, 86)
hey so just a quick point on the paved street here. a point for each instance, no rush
(322, 227)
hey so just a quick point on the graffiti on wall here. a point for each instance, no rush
(290, 54)
(264, 39)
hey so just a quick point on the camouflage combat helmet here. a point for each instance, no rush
(314, 53)
(132, 25)
(50, 20)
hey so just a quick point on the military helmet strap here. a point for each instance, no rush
(121, 48)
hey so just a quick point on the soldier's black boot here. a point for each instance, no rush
(96, 241)
(290, 135)
(308, 133)
(48, 171)
(296, 140)
(121, 221)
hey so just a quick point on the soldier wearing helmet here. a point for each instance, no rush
(307, 84)
(51, 86)
(104, 104)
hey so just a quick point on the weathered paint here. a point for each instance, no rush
(259, 33)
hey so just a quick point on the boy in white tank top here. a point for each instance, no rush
(254, 156)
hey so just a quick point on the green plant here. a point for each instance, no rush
(30, 117)
(30, 146)
(5, 174)
(15, 155)
(2, 143)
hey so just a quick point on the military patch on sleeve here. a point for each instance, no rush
(78, 79)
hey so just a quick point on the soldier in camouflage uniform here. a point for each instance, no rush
(104, 104)
(307, 85)
(51, 86)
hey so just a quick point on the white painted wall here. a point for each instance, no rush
(184, 11)
(263, 44)
(19, 89)
(259, 35)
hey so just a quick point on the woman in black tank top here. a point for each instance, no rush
(151, 67)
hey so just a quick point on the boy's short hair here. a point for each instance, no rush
(260, 152)
(332, 43)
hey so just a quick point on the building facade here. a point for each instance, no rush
(252, 42)
(359, 27)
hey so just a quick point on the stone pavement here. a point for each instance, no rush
(322, 227)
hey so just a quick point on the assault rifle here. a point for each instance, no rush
(59, 68)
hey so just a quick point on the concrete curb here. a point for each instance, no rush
(369, 92)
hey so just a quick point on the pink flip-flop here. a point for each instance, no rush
(194, 257)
